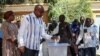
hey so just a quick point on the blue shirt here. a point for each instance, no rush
(1, 33)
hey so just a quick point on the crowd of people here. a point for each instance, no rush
(24, 37)
(82, 35)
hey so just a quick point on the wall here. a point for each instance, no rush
(22, 9)
(27, 8)
(95, 5)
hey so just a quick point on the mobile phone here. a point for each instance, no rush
(85, 30)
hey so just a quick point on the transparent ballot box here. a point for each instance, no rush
(57, 49)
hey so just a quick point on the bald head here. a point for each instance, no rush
(39, 7)
(38, 10)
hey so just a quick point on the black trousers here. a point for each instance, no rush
(91, 51)
(81, 52)
(72, 51)
(29, 52)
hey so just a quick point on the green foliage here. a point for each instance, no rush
(83, 9)
(71, 9)
(2, 3)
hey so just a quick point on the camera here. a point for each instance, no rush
(85, 30)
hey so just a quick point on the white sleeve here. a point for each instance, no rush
(23, 25)
(44, 34)
(96, 32)
(97, 39)
(79, 38)
(56, 30)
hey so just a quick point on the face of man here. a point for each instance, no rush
(39, 10)
(88, 22)
(61, 18)
(39, 13)
(82, 21)
(11, 18)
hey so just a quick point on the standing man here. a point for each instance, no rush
(31, 32)
(90, 38)
(81, 44)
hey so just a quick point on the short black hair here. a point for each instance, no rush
(62, 16)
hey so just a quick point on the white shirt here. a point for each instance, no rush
(55, 31)
(31, 31)
(90, 38)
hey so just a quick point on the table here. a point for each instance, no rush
(59, 49)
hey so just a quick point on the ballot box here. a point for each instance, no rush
(57, 49)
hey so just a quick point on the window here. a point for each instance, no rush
(12, 1)
(22, 1)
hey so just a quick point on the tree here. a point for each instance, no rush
(83, 9)
(71, 9)
(2, 4)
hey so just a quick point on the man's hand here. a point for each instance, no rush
(13, 38)
(97, 47)
(56, 38)
(22, 49)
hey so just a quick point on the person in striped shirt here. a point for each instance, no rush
(31, 31)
